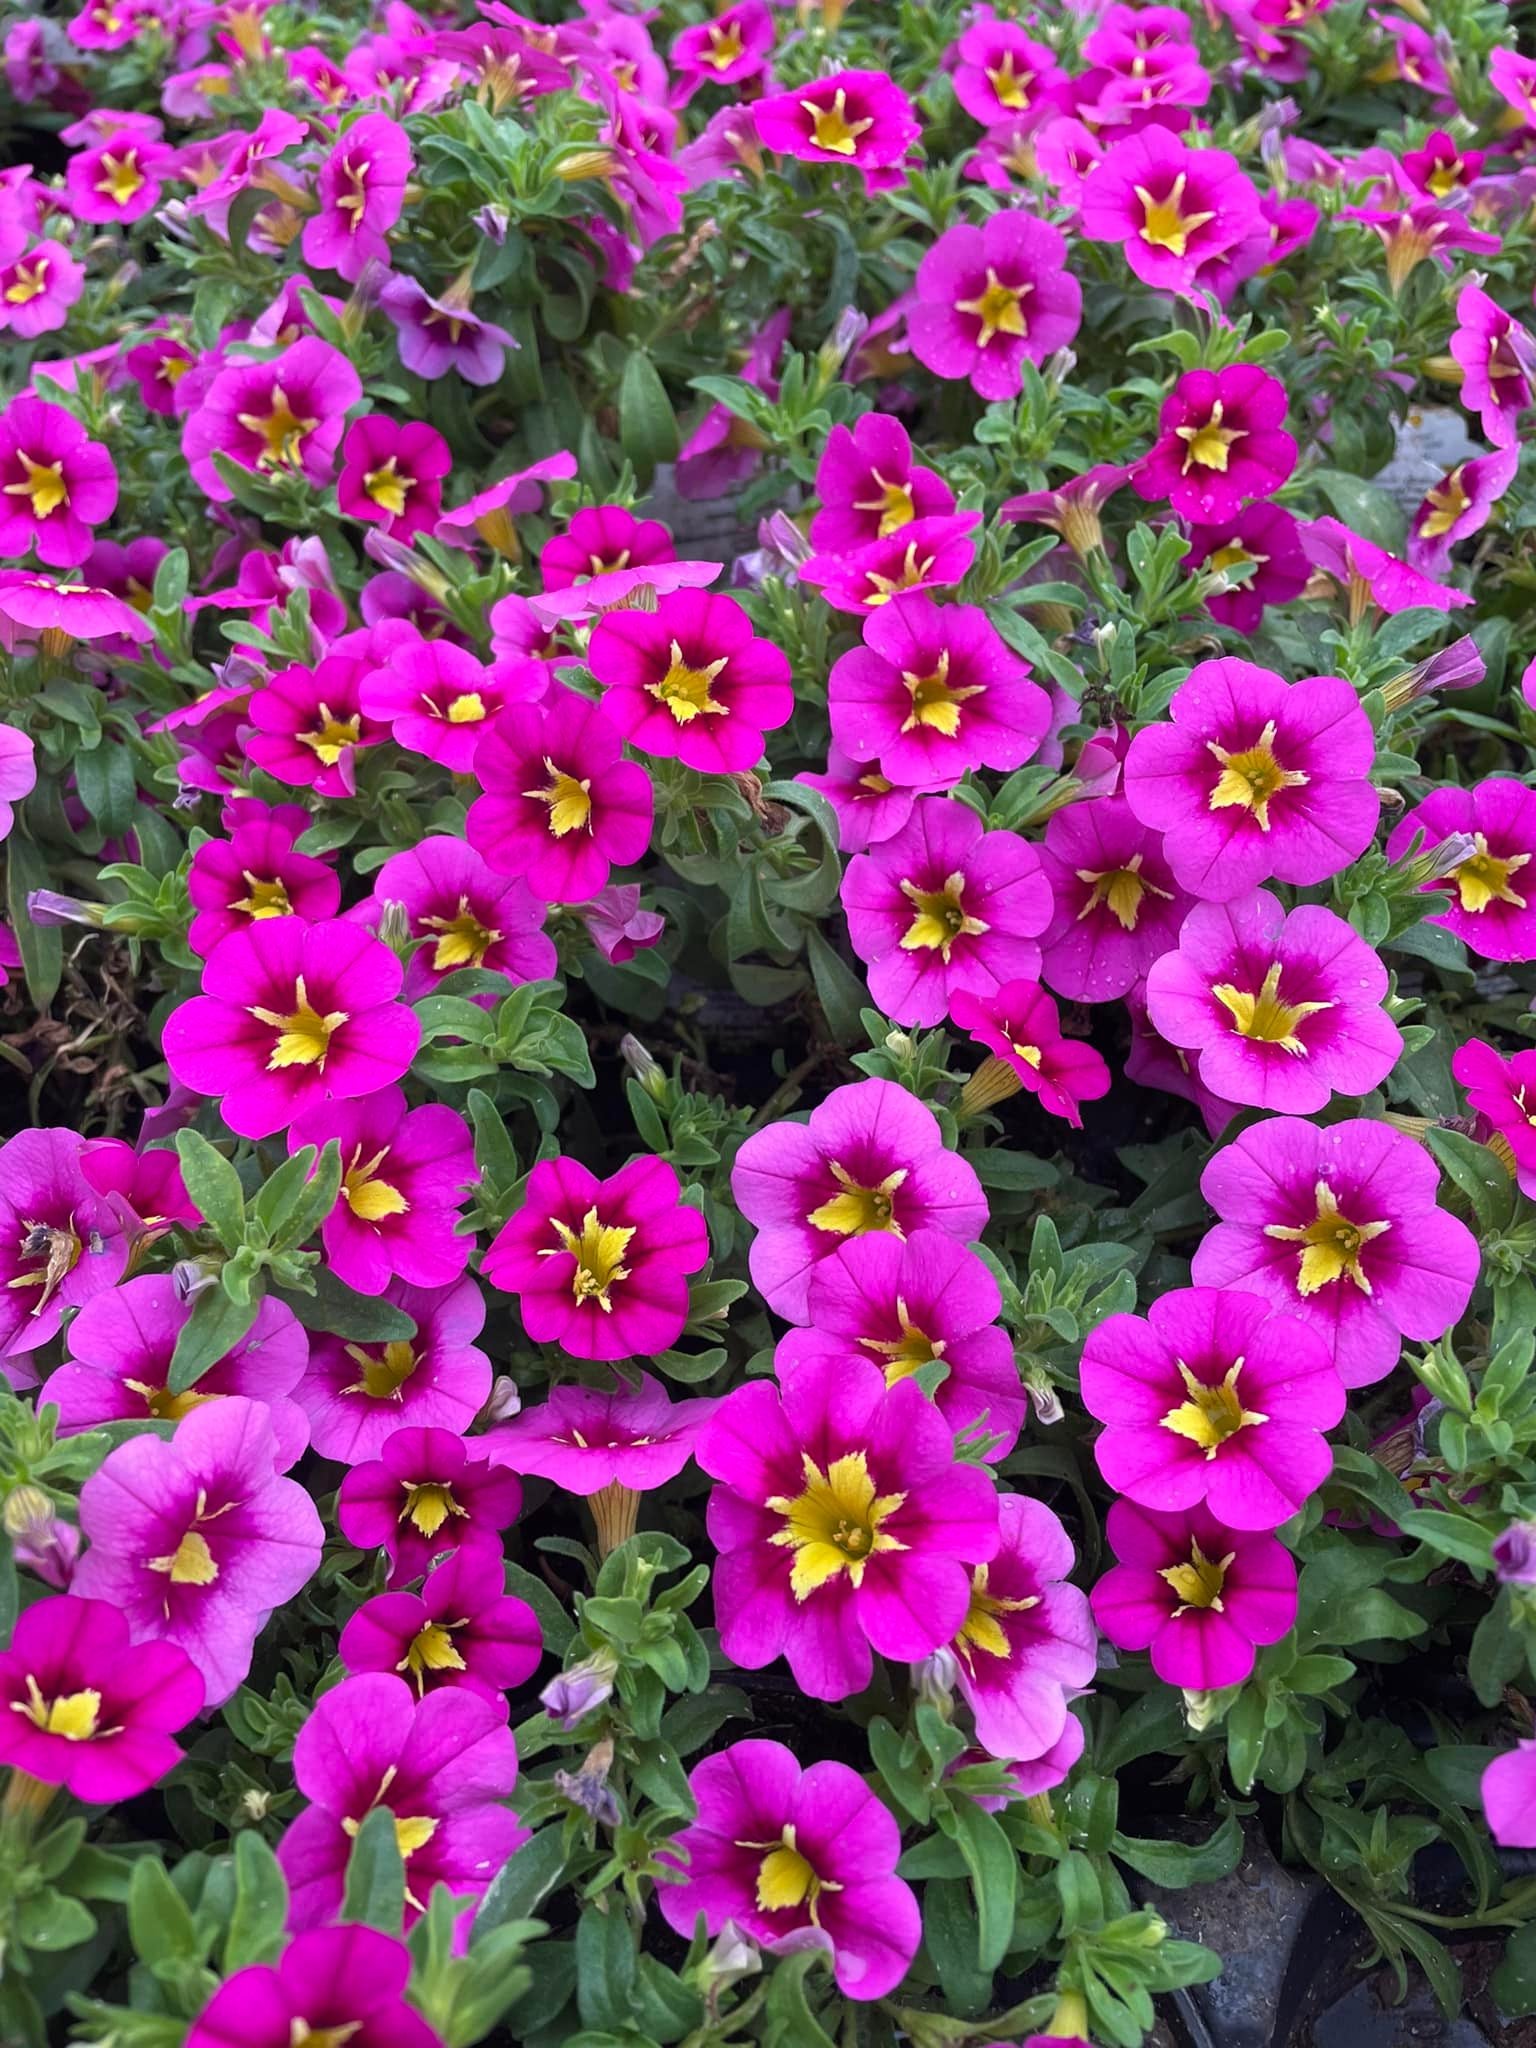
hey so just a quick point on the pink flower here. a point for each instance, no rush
(1263, 537)
(1000, 74)
(334, 1980)
(1027, 1645)
(38, 289)
(310, 725)
(1509, 1782)
(1199, 1595)
(1340, 1228)
(1369, 575)
(562, 807)
(292, 1015)
(735, 46)
(255, 874)
(1072, 508)
(795, 1858)
(1118, 907)
(845, 1527)
(439, 702)
(1172, 208)
(283, 415)
(1020, 1027)
(436, 335)
(56, 484)
(1421, 229)
(36, 605)
(906, 1302)
(992, 298)
(1462, 503)
(869, 806)
(489, 514)
(361, 191)
(933, 693)
(870, 1158)
(584, 1439)
(196, 1541)
(1256, 777)
(358, 1395)
(944, 905)
(723, 450)
(692, 681)
(1513, 77)
(118, 179)
(392, 473)
(859, 118)
(1498, 361)
(60, 1242)
(18, 773)
(930, 553)
(465, 915)
(1282, 1009)
(870, 487)
(1496, 1090)
(427, 1492)
(461, 1630)
(1220, 442)
(599, 540)
(1493, 901)
(616, 924)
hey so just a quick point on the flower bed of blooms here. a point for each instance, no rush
(746, 1281)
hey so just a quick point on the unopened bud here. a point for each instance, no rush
(190, 1278)
(935, 1680)
(647, 1071)
(579, 1691)
(1514, 1554)
(1043, 1395)
(731, 1956)
(840, 344)
(394, 927)
(255, 1802)
(27, 1510)
(1457, 667)
(505, 1401)
(49, 907)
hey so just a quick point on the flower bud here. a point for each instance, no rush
(577, 1692)
(935, 1679)
(731, 1956)
(49, 907)
(649, 1072)
(1043, 1395)
(588, 1789)
(505, 1401)
(1514, 1554)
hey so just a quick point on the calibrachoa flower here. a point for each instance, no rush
(1220, 442)
(405, 1176)
(933, 693)
(1509, 1797)
(1368, 575)
(1199, 1595)
(1212, 1398)
(931, 553)
(333, 1982)
(1265, 538)
(795, 1858)
(256, 874)
(60, 1242)
(461, 1629)
(1118, 907)
(1461, 504)
(736, 45)
(197, 1541)
(438, 701)
(1256, 777)
(860, 118)
(1339, 1227)
(870, 486)
(1171, 208)
(1282, 1009)
(909, 1302)
(944, 905)
(310, 725)
(466, 915)
(56, 484)
(600, 1266)
(599, 540)
(81, 1708)
(38, 289)
(358, 1395)
(444, 1766)
(392, 473)
(1498, 364)
(1071, 508)
(562, 807)
(118, 179)
(436, 335)
(992, 298)
(18, 773)
(1027, 1645)
(1000, 73)
(292, 1015)
(869, 1158)
(426, 1493)
(1020, 1028)
(869, 806)
(361, 191)
(1497, 1089)
(692, 680)
(286, 415)
(844, 1525)
(1493, 890)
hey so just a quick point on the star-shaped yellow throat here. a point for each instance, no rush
(1264, 1016)
(939, 918)
(836, 1524)
(1165, 224)
(1331, 1244)
(1252, 777)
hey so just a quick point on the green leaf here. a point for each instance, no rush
(1176, 1864)
(1452, 1535)
(42, 946)
(214, 1187)
(1364, 506)
(105, 779)
(1476, 1172)
(1514, 1981)
(159, 1924)
(214, 1328)
(50, 1922)
(994, 1868)
(838, 989)
(555, 1625)
(605, 1963)
(375, 1888)
(523, 1881)
(647, 424)
(261, 1904)
(341, 1312)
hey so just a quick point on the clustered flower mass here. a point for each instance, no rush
(769, 780)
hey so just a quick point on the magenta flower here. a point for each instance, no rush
(600, 1266)
(1212, 1398)
(466, 915)
(81, 1708)
(334, 1981)
(587, 1438)
(930, 553)
(144, 1190)
(870, 487)
(845, 1527)
(1493, 898)
(38, 289)
(1412, 233)
(933, 693)
(392, 473)
(462, 1629)
(358, 1395)
(1496, 1090)
(1220, 442)
(444, 1766)
(292, 1015)
(1498, 363)
(616, 924)
(1509, 1793)
(860, 118)
(691, 681)
(1263, 537)
(1027, 1645)
(1072, 508)
(1282, 1009)
(945, 905)
(795, 1858)
(1020, 1028)
(117, 179)
(906, 1302)
(405, 1176)
(436, 335)
(1256, 777)
(283, 415)
(1118, 907)
(18, 773)
(562, 807)
(1462, 503)
(56, 484)
(994, 297)
(1340, 1228)
(197, 1540)
(1000, 74)
(870, 807)
(60, 1242)
(38, 605)
(427, 1493)
(120, 1347)
(735, 46)
(1199, 1595)
(310, 725)
(439, 701)
(599, 540)
(1171, 208)
(1369, 575)
(361, 190)
(869, 1158)
(256, 874)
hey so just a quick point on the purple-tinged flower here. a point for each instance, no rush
(1498, 364)
(358, 1395)
(334, 1983)
(844, 1525)
(56, 484)
(1412, 234)
(465, 914)
(361, 191)
(1513, 77)
(910, 1302)
(1071, 508)
(1497, 1090)
(580, 1690)
(795, 1858)
(859, 118)
(992, 298)
(444, 1766)
(1000, 74)
(1340, 1228)
(1199, 1595)
(586, 1439)
(1282, 1009)
(1255, 778)
(869, 1158)
(1170, 207)
(692, 681)
(1513, 1552)
(736, 45)
(439, 701)
(1462, 503)
(427, 1493)
(1220, 442)
(1118, 907)
(18, 773)
(392, 473)
(930, 553)
(945, 905)
(1509, 1782)
(61, 1244)
(870, 487)
(82, 1708)
(1493, 889)
(1020, 1028)
(436, 335)
(616, 924)
(117, 179)
(934, 692)
(1369, 575)
(600, 1266)
(198, 1540)
(38, 289)
(870, 807)
(462, 1629)
(285, 415)
(256, 874)
(599, 540)
(1265, 538)
(35, 610)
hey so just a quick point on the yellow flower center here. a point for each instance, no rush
(165, 1406)
(280, 430)
(191, 1563)
(354, 202)
(1264, 1016)
(902, 1356)
(1483, 878)
(935, 703)
(369, 1198)
(431, 1649)
(894, 505)
(1011, 87)
(332, 736)
(685, 690)
(468, 708)
(599, 1254)
(384, 1372)
(725, 46)
(388, 488)
(1213, 1414)
(786, 1880)
(29, 282)
(1210, 445)
(1119, 890)
(1251, 777)
(1198, 1583)
(836, 1524)
(831, 128)
(412, 1832)
(74, 1715)
(939, 918)
(1330, 1244)
(1449, 501)
(428, 1504)
(303, 1035)
(569, 801)
(263, 898)
(43, 483)
(1234, 556)
(463, 941)
(302, 2035)
(1164, 223)
(911, 573)
(121, 179)
(999, 308)
(981, 1629)
(856, 1209)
